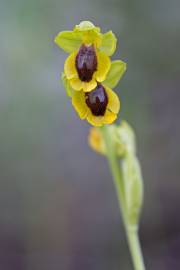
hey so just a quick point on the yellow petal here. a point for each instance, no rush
(76, 84)
(88, 86)
(78, 101)
(96, 121)
(69, 66)
(113, 101)
(103, 66)
(109, 117)
(96, 141)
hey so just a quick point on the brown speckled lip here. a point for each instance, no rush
(97, 100)
(86, 62)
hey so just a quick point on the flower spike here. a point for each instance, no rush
(89, 75)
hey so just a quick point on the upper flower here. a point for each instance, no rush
(88, 62)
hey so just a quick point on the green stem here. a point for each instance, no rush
(131, 232)
(135, 249)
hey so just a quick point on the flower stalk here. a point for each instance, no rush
(130, 229)
(89, 78)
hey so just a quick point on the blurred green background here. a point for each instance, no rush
(58, 208)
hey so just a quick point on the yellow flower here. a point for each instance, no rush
(122, 135)
(96, 141)
(85, 67)
(88, 62)
(98, 107)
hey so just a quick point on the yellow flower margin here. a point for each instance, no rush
(112, 109)
(86, 33)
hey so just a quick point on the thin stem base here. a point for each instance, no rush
(131, 233)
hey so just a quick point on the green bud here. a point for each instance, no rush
(86, 26)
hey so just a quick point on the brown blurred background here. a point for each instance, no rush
(58, 208)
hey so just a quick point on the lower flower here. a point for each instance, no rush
(98, 107)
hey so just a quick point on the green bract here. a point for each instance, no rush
(115, 73)
(126, 139)
(108, 43)
(133, 188)
(131, 173)
(123, 139)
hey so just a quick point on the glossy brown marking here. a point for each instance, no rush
(86, 63)
(97, 100)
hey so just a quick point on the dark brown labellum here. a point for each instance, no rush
(97, 100)
(86, 62)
